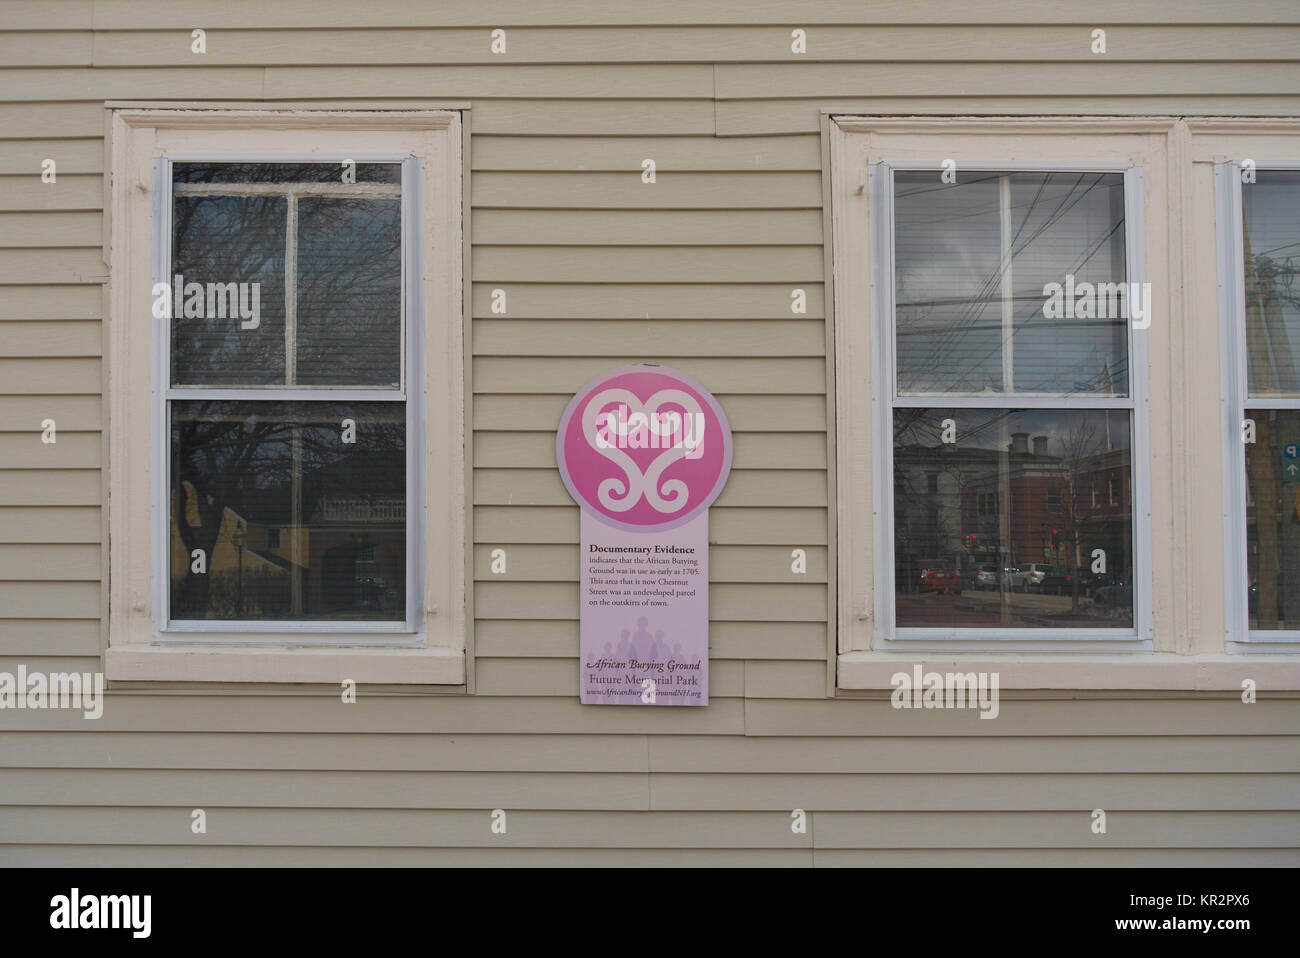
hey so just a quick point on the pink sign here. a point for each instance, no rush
(644, 451)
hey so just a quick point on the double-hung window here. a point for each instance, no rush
(1258, 216)
(1004, 381)
(288, 388)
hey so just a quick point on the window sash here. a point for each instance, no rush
(236, 631)
(1230, 241)
(886, 398)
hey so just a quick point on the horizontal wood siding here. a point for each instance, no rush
(601, 269)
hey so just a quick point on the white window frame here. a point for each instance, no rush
(143, 643)
(1272, 145)
(885, 153)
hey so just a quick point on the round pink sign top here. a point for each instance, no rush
(643, 448)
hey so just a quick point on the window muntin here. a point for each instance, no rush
(1270, 331)
(287, 278)
(969, 324)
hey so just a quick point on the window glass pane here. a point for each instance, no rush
(236, 225)
(1271, 237)
(947, 250)
(349, 311)
(286, 173)
(969, 320)
(228, 290)
(294, 521)
(1273, 519)
(1008, 535)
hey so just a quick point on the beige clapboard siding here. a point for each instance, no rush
(50, 525)
(470, 828)
(21, 598)
(50, 376)
(723, 338)
(488, 82)
(57, 265)
(247, 856)
(783, 189)
(397, 857)
(936, 42)
(610, 153)
(74, 638)
(1217, 724)
(785, 526)
(303, 789)
(785, 679)
(644, 301)
(972, 792)
(30, 49)
(1099, 76)
(69, 561)
(64, 338)
(510, 753)
(693, 264)
(497, 638)
(605, 790)
(585, 828)
(1023, 751)
(777, 717)
(82, 83)
(517, 117)
(1056, 829)
(1057, 857)
(649, 117)
(70, 450)
(507, 227)
(24, 157)
(49, 119)
(178, 14)
(71, 413)
(27, 303)
(559, 563)
(597, 748)
(564, 375)
(775, 116)
(50, 487)
(28, 194)
(746, 413)
(450, 714)
(84, 229)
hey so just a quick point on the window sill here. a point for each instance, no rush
(1141, 671)
(365, 666)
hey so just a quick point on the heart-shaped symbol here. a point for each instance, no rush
(680, 435)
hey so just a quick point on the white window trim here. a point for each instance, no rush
(1175, 656)
(1273, 145)
(430, 647)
